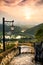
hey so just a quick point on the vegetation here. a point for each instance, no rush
(17, 30)
(34, 29)
(29, 34)
(10, 46)
(39, 35)
(1, 50)
(8, 28)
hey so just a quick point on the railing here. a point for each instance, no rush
(7, 56)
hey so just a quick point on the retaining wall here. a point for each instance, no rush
(8, 55)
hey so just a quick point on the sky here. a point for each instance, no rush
(23, 12)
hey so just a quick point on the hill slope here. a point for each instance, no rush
(34, 29)
(17, 29)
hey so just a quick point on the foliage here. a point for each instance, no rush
(39, 35)
(1, 50)
(34, 29)
(9, 46)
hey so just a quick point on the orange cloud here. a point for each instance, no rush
(21, 2)
(16, 8)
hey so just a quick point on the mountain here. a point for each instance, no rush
(34, 29)
(17, 29)
(7, 28)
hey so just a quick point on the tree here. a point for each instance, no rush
(39, 35)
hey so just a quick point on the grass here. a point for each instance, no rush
(10, 46)
(1, 50)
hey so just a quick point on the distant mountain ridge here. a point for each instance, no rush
(17, 29)
(8, 28)
(34, 29)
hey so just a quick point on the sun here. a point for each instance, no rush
(27, 12)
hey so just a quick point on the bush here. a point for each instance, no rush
(39, 35)
(9, 46)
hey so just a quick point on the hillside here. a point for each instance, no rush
(34, 29)
(17, 29)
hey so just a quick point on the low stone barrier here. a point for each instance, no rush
(7, 56)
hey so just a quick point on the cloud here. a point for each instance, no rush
(37, 2)
(30, 2)
(11, 2)
(16, 8)
(40, 2)
(22, 2)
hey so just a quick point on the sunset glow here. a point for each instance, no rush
(27, 13)
(22, 11)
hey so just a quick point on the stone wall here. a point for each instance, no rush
(8, 57)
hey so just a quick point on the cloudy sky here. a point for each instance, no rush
(24, 12)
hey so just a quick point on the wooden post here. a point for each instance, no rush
(19, 50)
(3, 34)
